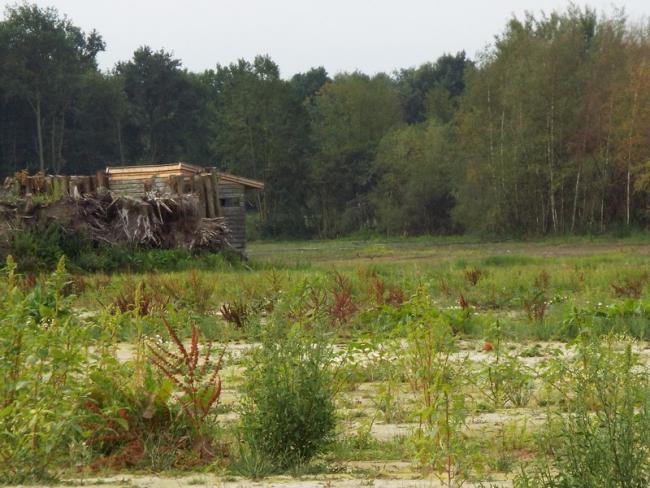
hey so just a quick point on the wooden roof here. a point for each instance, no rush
(174, 169)
(228, 178)
(149, 170)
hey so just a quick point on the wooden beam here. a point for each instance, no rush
(215, 191)
(209, 196)
(65, 185)
(200, 191)
(102, 181)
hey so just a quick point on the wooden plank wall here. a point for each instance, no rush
(228, 201)
(131, 188)
(233, 208)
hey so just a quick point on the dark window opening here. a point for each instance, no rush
(229, 202)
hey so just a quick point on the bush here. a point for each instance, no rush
(65, 399)
(43, 349)
(288, 412)
(604, 440)
(438, 382)
(40, 247)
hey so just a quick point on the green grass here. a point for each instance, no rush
(579, 274)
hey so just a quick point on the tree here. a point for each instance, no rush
(423, 88)
(536, 127)
(44, 57)
(98, 115)
(259, 129)
(414, 193)
(633, 117)
(306, 85)
(350, 115)
(163, 106)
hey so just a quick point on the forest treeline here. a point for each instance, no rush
(546, 131)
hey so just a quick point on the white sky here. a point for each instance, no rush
(342, 35)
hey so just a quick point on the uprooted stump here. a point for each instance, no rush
(154, 221)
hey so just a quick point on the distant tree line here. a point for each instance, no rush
(547, 131)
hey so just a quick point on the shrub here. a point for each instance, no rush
(133, 424)
(504, 379)
(288, 412)
(630, 287)
(44, 349)
(138, 298)
(39, 247)
(629, 317)
(195, 376)
(235, 313)
(343, 306)
(535, 305)
(474, 275)
(42, 246)
(437, 380)
(605, 438)
(191, 290)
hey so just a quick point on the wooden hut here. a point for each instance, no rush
(219, 194)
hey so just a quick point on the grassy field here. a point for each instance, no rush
(445, 362)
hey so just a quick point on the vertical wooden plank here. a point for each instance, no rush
(57, 186)
(28, 185)
(187, 184)
(47, 186)
(209, 196)
(200, 191)
(73, 186)
(84, 185)
(152, 184)
(214, 178)
(66, 185)
(102, 182)
(18, 186)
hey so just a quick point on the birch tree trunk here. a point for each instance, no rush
(59, 149)
(53, 161)
(628, 181)
(39, 132)
(575, 199)
(549, 156)
(120, 145)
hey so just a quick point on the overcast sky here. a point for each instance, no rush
(342, 35)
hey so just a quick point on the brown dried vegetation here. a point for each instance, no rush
(630, 287)
(235, 313)
(343, 307)
(196, 377)
(139, 298)
(474, 275)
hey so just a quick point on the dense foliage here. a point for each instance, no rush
(547, 131)
(288, 412)
(66, 399)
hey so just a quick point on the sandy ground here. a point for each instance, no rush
(206, 480)
(361, 399)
